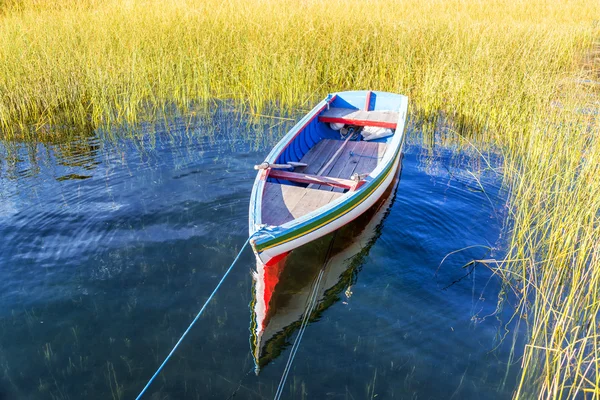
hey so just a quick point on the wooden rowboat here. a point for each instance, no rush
(320, 177)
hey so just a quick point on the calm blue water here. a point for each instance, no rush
(110, 247)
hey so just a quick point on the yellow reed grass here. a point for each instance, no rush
(501, 72)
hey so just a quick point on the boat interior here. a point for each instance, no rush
(333, 153)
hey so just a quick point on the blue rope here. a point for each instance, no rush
(193, 322)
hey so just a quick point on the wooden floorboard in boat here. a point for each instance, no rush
(318, 155)
(322, 152)
(312, 200)
(346, 161)
(335, 168)
(361, 155)
(283, 203)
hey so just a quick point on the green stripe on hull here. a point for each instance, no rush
(327, 218)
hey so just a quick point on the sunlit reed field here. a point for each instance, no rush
(521, 76)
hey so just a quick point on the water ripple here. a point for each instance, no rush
(109, 246)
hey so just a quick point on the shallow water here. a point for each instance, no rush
(110, 247)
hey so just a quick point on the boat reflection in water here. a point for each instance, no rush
(283, 288)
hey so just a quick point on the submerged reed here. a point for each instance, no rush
(514, 74)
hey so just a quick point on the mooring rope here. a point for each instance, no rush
(312, 301)
(193, 322)
(296, 345)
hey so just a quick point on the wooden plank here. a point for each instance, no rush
(346, 156)
(365, 160)
(318, 155)
(383, 119)
(381, 151)
(368, 101)
(278, 201)
(335, 155)
(337, 171)
(313, 200)
(312, 155)
(283, 203)
(365, 150)
(362, 155)
(333, 169)
(368, 159)
(307, 178)
(329, 148)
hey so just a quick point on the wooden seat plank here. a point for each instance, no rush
(384, 119)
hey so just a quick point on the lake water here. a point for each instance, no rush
(111, 245)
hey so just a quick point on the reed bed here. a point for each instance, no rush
(518, 75)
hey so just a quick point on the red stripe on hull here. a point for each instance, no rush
(273, 270)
